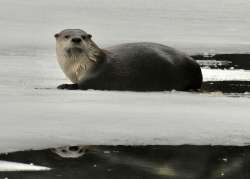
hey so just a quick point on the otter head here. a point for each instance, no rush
(73, 42)
(77, 53)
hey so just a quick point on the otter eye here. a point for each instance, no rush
(83, 37)
(89, 36)
(66, 36)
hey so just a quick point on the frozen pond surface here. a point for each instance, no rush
(35, 115)
(208, 26)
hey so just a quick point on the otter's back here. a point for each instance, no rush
(146, 67)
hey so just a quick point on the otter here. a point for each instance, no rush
(140, 66)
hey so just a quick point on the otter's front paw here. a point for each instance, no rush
(68, 86)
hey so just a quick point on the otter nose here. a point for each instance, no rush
(76, 40)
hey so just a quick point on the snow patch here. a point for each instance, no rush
(225, 75)
(6, 166)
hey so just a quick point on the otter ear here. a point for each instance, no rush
(56, 35)
(89, 36)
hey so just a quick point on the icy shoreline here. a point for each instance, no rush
(43, 119)
(34, 115)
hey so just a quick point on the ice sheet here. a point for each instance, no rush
(34, 115)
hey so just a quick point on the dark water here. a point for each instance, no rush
(145, 162)
(226, 61)
(240, 88)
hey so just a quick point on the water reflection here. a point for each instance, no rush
(173, 162)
